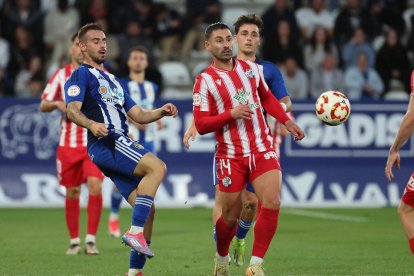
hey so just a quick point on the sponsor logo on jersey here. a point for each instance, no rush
(103, 90)
(73, 90)
(242, 97)
(196, 99)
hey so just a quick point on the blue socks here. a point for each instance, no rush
(137, 261)
(116, 199)
(141, 210)
(242, 229)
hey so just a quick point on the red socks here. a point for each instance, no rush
(224, 235)
(72, 213)
(411, 241)
(264, 231)
(94, 213)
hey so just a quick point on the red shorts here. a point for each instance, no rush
(408, 196)
(234, 173)
(73, 166)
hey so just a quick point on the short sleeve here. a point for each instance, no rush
(76, 85)
(274, 80)
(129, 102)
(200, 95)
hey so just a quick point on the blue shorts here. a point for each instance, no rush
(117, 156)
(249, 186)
(150, 146)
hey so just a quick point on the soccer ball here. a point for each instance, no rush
(332, 108)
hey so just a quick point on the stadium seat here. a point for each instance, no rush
(175, 73)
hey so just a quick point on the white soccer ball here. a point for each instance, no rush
(332, 108)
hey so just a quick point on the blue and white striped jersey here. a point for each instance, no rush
(104, 98)
(273, 78)
(143, 94)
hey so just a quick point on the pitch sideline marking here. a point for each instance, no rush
(321, 215)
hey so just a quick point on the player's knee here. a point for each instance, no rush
(272, 203)
(73, 193)
(250, 207)
(159, 170)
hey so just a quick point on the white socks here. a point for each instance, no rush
(221, 259)
(113, 216)
(136, 229)
(90, 238)
(256, 260)
(75, 241)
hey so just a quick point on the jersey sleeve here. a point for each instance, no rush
(129, 102)
(275, 81)
(76, 85)
(200, 95)
(52, 90)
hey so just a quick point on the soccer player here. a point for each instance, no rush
(228, 98)
(406, 208)
(74, 166)
(143, 92)
(97, 101)
(247, 37)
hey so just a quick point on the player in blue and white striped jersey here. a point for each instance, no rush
(97, 101)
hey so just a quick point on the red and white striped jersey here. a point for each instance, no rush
(217, 91)
(71, 135)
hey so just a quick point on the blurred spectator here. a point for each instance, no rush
(354, 47)
(59, 27)
(169, 27)
(4, 52)
(91, 10)
(318, 47)
(315, 15)
(387, 13)
(326, 78)
(35, 86)
(392, 60)
(351, 17)
(24, 13)
(396, 92)
(277, 12)
(281, 45)
(112, 46)
(23, 79)
(21, 50)
(133, 36)
(199, 14)
(6, 86)
(296, 80)
(363, 82)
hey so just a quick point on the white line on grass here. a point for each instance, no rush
(315, 214)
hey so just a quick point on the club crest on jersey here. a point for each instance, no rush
(226, 181)
(196, 99)
(218, 81)
(249, 73)
(73, 90)
(242, 96)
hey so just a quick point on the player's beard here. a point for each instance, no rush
(223, 57)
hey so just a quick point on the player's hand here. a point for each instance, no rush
(393, 160)
(169, 110)
(61, 106)
(98, 129)
(295, 130)
(242, 111)
(190, 133)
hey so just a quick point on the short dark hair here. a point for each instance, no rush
(215, 26)
(90, 26)
(139, 48)
(74, 36)
(248, 19)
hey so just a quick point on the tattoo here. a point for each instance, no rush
(76, 116)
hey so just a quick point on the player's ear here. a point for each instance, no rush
(207, 44)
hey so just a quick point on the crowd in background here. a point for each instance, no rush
(361, 47)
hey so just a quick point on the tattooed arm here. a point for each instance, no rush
(75, 115)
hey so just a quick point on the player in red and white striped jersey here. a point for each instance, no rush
(73, 164)
(228, 98)
(406, 208)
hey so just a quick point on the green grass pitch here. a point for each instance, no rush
(345, 242)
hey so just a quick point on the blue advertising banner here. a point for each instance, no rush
(339, 166)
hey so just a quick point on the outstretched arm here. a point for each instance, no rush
(404, 132)
(49, 106)
(141, 116)
(75, 115)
